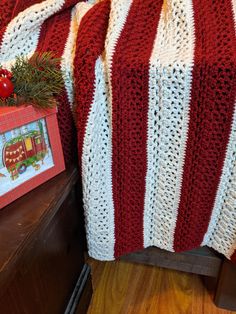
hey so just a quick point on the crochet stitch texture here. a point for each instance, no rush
(157, 134)
(154, 88)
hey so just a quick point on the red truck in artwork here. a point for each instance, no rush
(23, 151)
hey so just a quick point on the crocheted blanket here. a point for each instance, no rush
(154, 87)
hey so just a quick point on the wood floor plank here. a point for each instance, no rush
(126, 288)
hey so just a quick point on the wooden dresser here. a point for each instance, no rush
(42, 241)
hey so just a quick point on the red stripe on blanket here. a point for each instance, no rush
(212, 103)
(54, 33)
(53, 37)
(6, 9)
(21, 5)
(130, 77)
(90, 45)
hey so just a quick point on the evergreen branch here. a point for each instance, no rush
(36, 80)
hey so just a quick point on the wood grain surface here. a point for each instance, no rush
(41, 248)
(201, 261)
(125, 288)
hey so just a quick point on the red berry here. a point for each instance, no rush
(6, 87)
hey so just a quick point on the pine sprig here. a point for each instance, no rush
(36, 80)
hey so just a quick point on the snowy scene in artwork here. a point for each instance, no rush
(24, 153)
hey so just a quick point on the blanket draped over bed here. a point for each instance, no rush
(153, 88)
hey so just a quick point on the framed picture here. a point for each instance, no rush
(30, 150)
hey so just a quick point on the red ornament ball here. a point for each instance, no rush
(6, 87)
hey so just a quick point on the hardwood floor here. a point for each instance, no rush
(126, 288)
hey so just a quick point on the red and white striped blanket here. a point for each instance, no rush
(154, 88)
